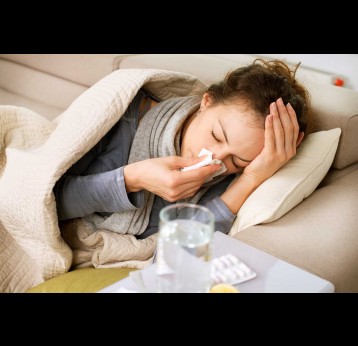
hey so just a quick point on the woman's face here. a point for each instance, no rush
(225, 130)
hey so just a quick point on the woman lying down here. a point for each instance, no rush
(249, 123)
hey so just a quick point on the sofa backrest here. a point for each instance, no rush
(337, 107)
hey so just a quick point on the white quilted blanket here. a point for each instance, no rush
(35, 152)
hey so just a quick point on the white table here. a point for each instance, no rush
(273, 274)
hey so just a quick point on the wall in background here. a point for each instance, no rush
(345, 65)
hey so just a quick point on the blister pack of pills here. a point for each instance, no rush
(230, 270)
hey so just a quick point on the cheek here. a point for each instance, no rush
(231, 169)
(229, 166)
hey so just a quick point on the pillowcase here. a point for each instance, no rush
(292, 183)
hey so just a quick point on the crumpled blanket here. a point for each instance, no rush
(36, 152)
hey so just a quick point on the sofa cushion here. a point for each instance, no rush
(294, 182)
(319, 235)
(335, 174)
(87, 280)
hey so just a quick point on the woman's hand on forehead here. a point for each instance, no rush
(281, 137)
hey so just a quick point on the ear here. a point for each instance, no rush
(205, 101)
(300, 138)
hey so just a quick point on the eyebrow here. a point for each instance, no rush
(227, 141)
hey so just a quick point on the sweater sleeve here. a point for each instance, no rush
(78, 196)
(224, 218)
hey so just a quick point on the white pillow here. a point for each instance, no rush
(295, 181)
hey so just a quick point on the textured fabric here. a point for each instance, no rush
(13, 258)
(106, 249)
(295, 181)
(86, 280)
(319, 235)
(35, 153)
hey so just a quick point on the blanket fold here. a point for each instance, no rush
(35, 153)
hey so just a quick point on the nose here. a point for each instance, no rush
(219, 153)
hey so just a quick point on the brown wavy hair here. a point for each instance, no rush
(261, 83)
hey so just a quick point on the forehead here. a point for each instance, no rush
(241, 111)
(243, 132)
(236, 116)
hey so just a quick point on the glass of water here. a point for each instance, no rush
(184, 248)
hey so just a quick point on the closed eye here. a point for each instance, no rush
(235, 165)
(212, 133)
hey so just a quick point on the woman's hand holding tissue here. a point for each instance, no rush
(163, 176)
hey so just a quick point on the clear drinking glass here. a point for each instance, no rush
(184, 248)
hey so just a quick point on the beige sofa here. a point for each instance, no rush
(319, 235)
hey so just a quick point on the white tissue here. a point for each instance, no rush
(207, 161)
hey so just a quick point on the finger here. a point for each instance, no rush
(188, 193)
(180, 162)
(287, 127)
(296, 128)
(277, 129)
(188, 189)
(185, 193)
(197, 176)
(200, 174)
(269, 134)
